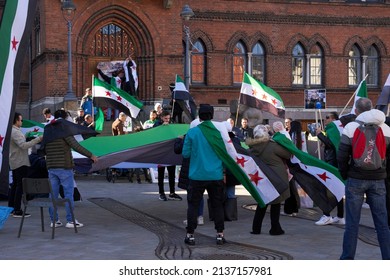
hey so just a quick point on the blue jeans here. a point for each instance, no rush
(375, 191)
(62, 177)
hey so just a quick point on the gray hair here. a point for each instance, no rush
(362, 105)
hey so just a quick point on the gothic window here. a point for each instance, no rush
(298, 65)
(198, 63)
(315, 65)
(257, 65)
(239, 62)
(111, 41)
(354, 66)
(371, 66)
(37, 36)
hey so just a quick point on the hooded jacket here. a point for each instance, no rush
(344, 155)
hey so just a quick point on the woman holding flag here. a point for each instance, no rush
(274, 156)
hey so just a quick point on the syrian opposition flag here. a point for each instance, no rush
(15, 29)
(333, 131)
(257, 95)
(384, 97)
(244, 168)
(360, 92)
(320, 180)
(105, 95)
(32, 128)
(148, 147)
(182, 96)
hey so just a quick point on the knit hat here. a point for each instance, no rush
(206, 112)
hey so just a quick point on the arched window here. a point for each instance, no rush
(354, 66)
(371, 66)
(37, 36)
(239, 62)
(111, 41)
(257, 64)
(315, 66)
(298, 65)
(198, 63)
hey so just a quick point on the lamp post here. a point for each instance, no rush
(68, 11)
(186, 14)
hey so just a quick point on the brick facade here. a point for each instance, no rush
(156, 30)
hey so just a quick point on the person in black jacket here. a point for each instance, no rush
(330, 157)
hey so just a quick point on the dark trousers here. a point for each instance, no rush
(16, 191)
(216, 192)
(291, 204)
(259, 216)
(340, 209)
(388, 201)
(171, 178)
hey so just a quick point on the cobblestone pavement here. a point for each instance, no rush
(126, 221)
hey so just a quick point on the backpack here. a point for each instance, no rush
(369, 147)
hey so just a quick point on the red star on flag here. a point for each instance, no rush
(255, 177)
(264, 96)
(323, 176)
(108, 93)
(1, 140)
(36, 129)
(254, 92)
(119, 98)
(241, 161)
(14, 43)
(230, 141)
(274, 101)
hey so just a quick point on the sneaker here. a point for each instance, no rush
(174, 196)
(163, 197)
(19, 214)
(290, 215)
(200, 220)
(220, 239)
(189, 239)
(325, 220)
(57, 224)
(339, 221)
(70, 224)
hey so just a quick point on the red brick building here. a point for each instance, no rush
(291, 46)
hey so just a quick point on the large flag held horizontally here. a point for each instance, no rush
(360, 92)
(105, 95)
(184, 99)
(320, 180)
(16, 24)
(257, 95)
(384, 98)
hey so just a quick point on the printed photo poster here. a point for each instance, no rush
(109, 67)
(315, 98)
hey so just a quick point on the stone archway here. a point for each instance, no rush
(120, 33)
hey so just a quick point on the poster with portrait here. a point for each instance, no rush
(315, 98)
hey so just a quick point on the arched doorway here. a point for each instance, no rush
(112, 34)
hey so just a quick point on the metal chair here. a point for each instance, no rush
(42, 196)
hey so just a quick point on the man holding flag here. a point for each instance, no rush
(328, 138)
(205, 173)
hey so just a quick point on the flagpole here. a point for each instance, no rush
(174, 99)
(93, 97)
(353, 95)
(318, 142)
